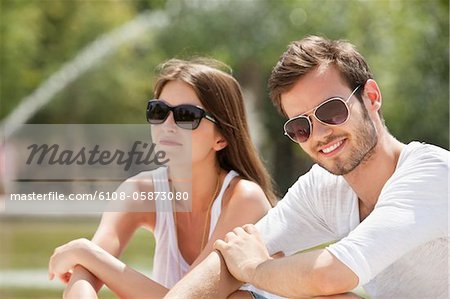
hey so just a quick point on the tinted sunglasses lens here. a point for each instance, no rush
(157, 112)
(187, 116)
(298, 129)
(333, 112)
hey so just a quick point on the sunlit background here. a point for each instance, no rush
(93, 62)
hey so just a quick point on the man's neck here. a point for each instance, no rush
(369, 178)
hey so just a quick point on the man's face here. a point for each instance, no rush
(339, 149)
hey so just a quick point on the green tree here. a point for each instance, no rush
(404, 41)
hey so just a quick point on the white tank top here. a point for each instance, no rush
(169, 266)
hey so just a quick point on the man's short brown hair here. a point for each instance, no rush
(311, 52)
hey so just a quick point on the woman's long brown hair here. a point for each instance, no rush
(221, 95)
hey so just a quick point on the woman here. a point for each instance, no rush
(198, 119)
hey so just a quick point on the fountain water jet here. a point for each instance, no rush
(92, 54)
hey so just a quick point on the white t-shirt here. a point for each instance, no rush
(400, 250)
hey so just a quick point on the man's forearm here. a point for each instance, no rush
(210, 279)
(304, 275)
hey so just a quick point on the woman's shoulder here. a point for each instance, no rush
(244, 203)
(246, 193)
(135, 190)
(247, 188)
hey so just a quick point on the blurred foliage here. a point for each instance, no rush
(405, 42)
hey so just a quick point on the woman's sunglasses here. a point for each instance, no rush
(186, 116)
(332, 112)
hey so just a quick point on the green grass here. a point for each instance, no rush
(30, 293)
(28, 243)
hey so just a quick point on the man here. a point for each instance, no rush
(385, 203)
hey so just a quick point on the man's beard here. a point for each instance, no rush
(366, 139)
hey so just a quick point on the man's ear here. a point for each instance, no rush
(372, 92)
(220, 143)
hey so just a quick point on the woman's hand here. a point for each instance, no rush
(67, 256)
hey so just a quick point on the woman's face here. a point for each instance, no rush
(184, 146)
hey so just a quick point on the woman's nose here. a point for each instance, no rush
(169, 123)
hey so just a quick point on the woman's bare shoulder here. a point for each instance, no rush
(247, 194)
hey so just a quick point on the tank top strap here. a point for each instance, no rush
(163, 208)
(168, 264)
(161, 184)
(217, 205)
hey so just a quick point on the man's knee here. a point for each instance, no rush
(240, 295)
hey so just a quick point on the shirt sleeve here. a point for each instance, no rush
(296, 223)
(411, 211)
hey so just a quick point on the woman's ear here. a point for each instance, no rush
(372, 92)
(220, 143)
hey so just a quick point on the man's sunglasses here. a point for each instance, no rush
(332, 112)
(186, 116)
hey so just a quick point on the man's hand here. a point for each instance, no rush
(243, 251)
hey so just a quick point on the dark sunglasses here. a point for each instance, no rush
(332, 112)
(186, 116)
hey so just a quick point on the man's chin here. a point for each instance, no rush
(337, 169)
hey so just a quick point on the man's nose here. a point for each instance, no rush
(320, 130)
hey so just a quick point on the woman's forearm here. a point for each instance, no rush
(82, 284)
(121, 279)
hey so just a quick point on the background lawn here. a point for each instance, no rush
(27, 244)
